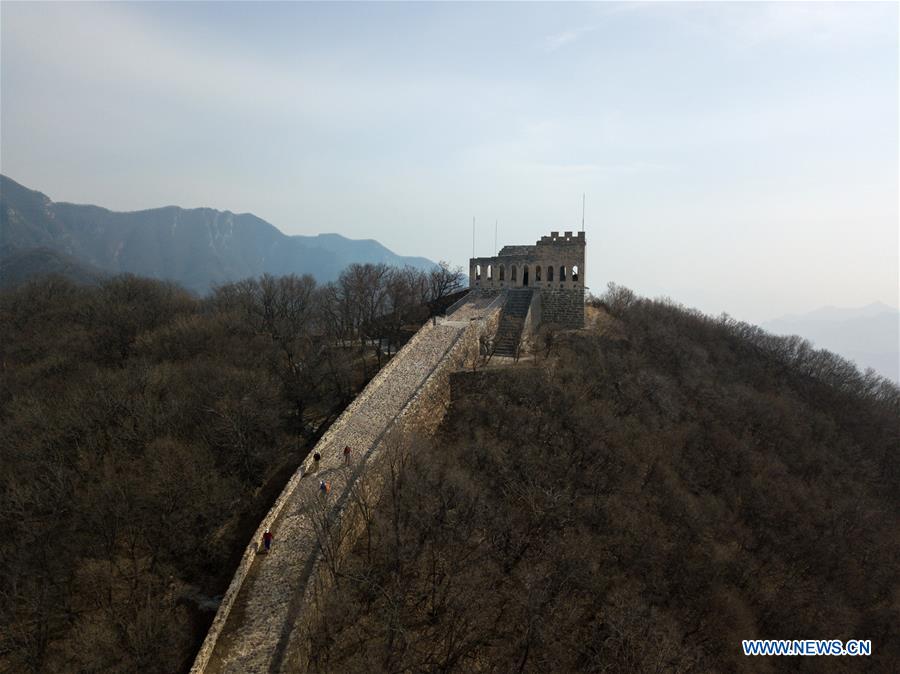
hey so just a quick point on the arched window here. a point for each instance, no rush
(490, 272)
(550, 272)
(502, 269)
(477, 272)
(575, 273)
(525, 275)
(512, 273)
(537, 274)
(562, 274)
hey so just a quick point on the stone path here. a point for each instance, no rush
(256, 633)
(474, 307)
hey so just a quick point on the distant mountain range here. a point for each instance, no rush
(869, 335)
(197, 247)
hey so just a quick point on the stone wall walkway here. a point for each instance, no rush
(266, 605)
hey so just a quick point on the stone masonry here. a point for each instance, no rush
(257, 627)
(554, 266)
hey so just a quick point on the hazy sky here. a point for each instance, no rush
(736, 157)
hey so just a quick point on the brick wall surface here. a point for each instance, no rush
(563, 307)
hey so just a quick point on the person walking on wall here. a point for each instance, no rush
(316, 458)
(267, 540)
(347, 455)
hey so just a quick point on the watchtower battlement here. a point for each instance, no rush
(554, 266)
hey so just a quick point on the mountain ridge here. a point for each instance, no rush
(198, 247)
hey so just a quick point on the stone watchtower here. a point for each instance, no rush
(553, 268)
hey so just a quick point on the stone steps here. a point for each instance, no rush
(512, 321)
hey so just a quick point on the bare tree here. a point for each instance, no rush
(444, 280)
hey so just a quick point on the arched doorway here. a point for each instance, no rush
(525, 275)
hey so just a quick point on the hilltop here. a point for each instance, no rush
(640, 496)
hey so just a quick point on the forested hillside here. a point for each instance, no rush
(145, 433)
(20, 266)
(640, 498)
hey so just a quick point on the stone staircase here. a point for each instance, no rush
(509, 332)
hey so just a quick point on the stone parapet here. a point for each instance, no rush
(556, 261)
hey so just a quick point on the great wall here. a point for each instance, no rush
(260, 625)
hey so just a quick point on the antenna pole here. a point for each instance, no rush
(582, 211)
(495, 237)
(473, 236)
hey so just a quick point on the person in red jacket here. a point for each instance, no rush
(267, 540)
(347, 455)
